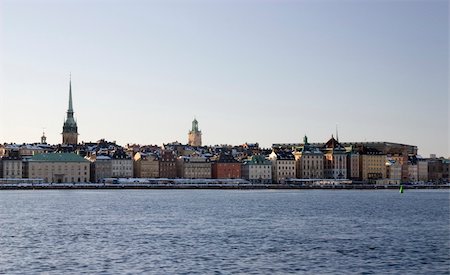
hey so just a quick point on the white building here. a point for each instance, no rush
(121, 165)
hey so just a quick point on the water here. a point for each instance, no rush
(217, 231)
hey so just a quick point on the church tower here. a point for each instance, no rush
(43, 138)
(195, 135)
(70, 129)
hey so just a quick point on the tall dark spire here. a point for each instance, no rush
(337, 135)
(70, 129)
(70, 110)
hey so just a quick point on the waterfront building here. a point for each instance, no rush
(195, 135)
(309, 161)
(372, 164)
(11, 167)
(59, 167)
(194, 167)
(226, 167)
(413, 174)
(146, 165)
(70, 128)
(402, 159)
(353, 171)
(167, 164)
(257, 169)
(283, 165)
(393, 171)
(335, 155)
(121, 164)
(422, 170)
(438, 169)
(101, 167)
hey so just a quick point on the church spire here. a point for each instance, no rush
(70, 110)
(337, 135)
(70, 128)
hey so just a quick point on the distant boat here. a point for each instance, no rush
(401, 189)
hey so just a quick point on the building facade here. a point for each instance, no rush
(257, 170)
(373, 165)
(309, 161)
(168, 164)
(393, 172)
(122, 165)
(283, 165)
(422, 170)
(335, 156)
(146, 165)
(195, 167)
(226, 167)
(11, 167)
(59, 167)
(101, 167)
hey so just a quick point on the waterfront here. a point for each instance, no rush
(228, 231)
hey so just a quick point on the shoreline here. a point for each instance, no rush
(215, 186)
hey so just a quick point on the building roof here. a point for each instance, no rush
(58, 157)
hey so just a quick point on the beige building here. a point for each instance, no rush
(422, 170)
(372, 164)
(11, 167)
(195, 167)
(257, 170)
(308, 161)
(283, 165)
(59, 167)
(146, 165)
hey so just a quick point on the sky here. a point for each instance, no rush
(249, 71)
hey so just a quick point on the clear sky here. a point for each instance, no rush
(249, 71)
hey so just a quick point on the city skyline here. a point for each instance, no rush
(244, 80)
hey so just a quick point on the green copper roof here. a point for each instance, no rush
(58, 157)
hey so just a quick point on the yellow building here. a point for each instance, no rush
(59, 167)
(146, 165)
(372, 164)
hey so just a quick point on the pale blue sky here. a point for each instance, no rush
(250, 71)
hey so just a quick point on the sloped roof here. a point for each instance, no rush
(58, 157)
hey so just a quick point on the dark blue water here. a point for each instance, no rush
(215, 231)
